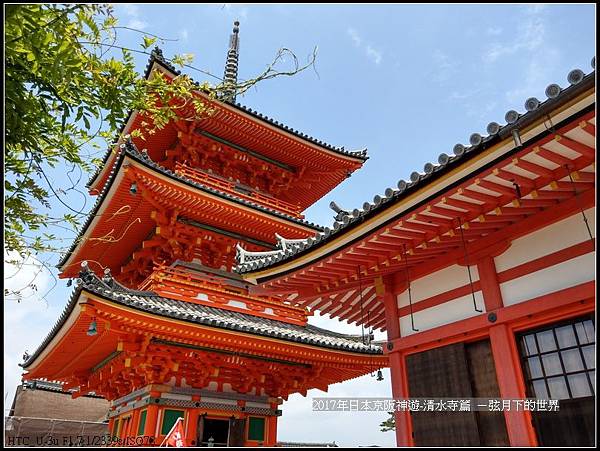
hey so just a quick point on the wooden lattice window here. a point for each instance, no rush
(559, 361)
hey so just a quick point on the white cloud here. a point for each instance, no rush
(456, 95)
(530, 36)
(131, 9)
(26, 321)
(444, 66)
(534, 8)
(494, 31)
(299, 423)
(134, 17)
(374, 54)
(137, 24)
(355, 36)
(184, 35)
(235, 10)
(536, 76)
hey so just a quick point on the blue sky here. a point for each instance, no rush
(406, 81)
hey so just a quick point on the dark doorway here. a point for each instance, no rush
(214, 431)
(459, 371)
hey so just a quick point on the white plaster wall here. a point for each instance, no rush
(438, 282)
(238, 304)
(176, 396)
(446, 313)
(564, 275)
(547, 240)
(231, 402)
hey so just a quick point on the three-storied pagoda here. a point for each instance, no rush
(159, 324)
(481, 270)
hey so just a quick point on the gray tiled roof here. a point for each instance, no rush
(150, 302)
(129, 149)
(579, 82)
(37, 384)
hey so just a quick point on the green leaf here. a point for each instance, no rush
(148, 41)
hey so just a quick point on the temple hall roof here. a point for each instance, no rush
(579, 82)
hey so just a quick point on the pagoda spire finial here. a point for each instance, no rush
(231, 65)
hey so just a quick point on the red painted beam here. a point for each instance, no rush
(534, 168)
(510, 382)
(588, 127)
(578, 147)
(583, 176)
(512, 177)
(407, 235)
(552, 156)
(485, 198)
(535, 203)
(468, 206)
(447, 212)
(580, 296)
(496, 187)
(490, 287)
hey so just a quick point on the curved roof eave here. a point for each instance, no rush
(420, 181)
(129, 149)
(147, 301)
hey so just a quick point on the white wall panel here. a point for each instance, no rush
(547, 240)
(446, 313)
(438, 282)
(564, 275)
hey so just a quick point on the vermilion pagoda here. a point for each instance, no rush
(159, 324)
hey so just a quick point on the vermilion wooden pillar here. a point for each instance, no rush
(385, 288)
(111, 424)
(133, 423)
(151, 419)
(490, 288)
(511, 385)
(192, 424)
(506, 358)
(271, 431)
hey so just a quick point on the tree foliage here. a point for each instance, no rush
(389, 424)
(67, 84)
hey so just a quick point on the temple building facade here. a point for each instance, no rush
(158, 323)
(481, 270)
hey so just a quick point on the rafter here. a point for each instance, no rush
(578, 147)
